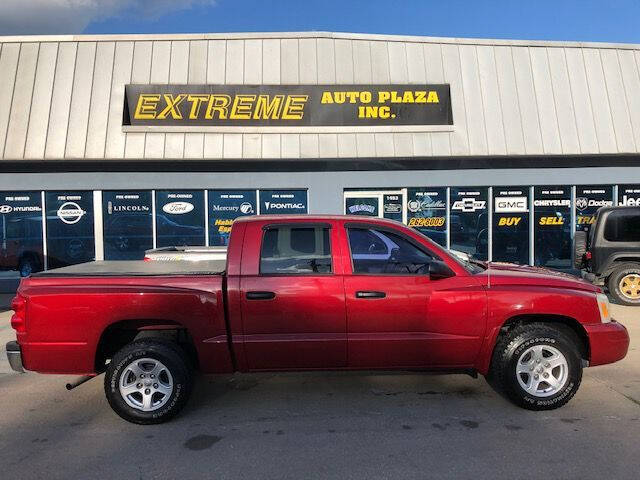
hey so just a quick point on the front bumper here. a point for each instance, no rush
(609, 342)
(14, 355)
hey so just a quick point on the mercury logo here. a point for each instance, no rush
(6, 208)
(70, 213)
(177, 208)
(246, 208)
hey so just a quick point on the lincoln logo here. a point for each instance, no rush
(70, 213)
(177, 208)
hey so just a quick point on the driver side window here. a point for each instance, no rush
(385, 253)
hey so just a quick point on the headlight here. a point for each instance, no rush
(603, 306)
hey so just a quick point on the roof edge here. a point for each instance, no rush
(314, 34)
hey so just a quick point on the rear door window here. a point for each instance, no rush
(623, 226)
(295, 250)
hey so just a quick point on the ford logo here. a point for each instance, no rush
(177, 208)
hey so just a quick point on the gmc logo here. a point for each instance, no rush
(511, 204)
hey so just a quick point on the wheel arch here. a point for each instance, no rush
(568, 325)
(118, 334)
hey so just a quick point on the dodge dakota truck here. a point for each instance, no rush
(312, 293)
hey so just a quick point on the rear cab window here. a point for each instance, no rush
(296, 249)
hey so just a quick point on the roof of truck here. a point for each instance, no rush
(315, 218)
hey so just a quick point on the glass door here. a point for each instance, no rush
(389, 204)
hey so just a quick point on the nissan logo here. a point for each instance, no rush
(70, 213)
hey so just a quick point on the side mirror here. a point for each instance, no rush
(439, 270)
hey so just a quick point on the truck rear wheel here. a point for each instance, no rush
(148, 381)
(624, 284)
(537, 366)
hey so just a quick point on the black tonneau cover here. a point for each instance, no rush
(137, 268)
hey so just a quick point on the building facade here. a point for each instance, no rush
(110, 145)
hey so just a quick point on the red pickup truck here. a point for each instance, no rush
(312, 292)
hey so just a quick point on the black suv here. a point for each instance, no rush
(609, 253)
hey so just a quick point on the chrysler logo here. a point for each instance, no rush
(177, 208)
(70, 213)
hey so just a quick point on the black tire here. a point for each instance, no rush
(27, 266)
(512, 345)
(614, 283)
(579, 248)
(176, 362)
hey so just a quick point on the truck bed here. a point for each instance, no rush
(136, 268)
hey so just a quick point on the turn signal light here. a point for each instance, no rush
(603, 305)
(587, 255)
(18, 305)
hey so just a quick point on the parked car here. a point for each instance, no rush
(21, 244)
(609, 253)
(307, 293)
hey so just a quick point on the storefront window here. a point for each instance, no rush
(510, 236)
(179, 218)
(70, 235)
(283, 201)
(629, 195)
(21, 232)
(589, 198)
(552, 228)
(427, 212)
(468, 221)
(224, 207)
(127, 224)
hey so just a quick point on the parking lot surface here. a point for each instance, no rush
(326, 425)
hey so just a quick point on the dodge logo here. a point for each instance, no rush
(581, 203)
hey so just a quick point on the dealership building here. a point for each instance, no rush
(110, 145)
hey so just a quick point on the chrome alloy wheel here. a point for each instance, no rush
(542, 370)
(630, 286)
(146, 384)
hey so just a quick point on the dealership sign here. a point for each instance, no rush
(287, 105)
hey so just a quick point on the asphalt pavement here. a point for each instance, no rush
(327, 425)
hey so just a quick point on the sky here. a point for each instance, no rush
(581, 20)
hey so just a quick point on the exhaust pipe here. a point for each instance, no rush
(79, 381)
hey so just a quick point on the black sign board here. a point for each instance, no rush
(224, 207)
(511, 224)
(287, 105)
(21, 232)
(283, 201)
(629, 195)
(427, 212)
(70, 236)
(589, 198)
(468, 221)
(179, 218)
(552, 227)
(127, 224)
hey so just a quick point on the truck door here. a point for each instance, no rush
(292, 297)
(397, 316)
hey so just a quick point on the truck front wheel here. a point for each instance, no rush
(148, 381)
(537, 366)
